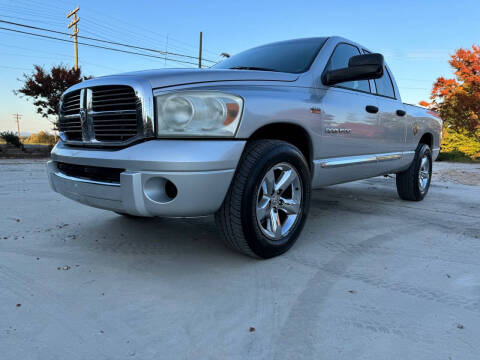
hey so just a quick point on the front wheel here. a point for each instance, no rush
(267, 204)
(413, 183)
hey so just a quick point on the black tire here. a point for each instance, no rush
(237, 217)
(408, 182)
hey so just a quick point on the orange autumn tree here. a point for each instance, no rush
(458, 100)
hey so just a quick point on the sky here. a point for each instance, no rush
(416, 37)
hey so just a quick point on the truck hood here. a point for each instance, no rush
(170, 77)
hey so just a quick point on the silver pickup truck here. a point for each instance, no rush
(246, 140)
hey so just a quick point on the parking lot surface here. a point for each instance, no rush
(371, 277)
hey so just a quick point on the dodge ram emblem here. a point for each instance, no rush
(83, 115)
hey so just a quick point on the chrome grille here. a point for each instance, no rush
(107, 115)
(115, 109)
(70, 123)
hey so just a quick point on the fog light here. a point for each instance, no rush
(160, 190)
(171, 190)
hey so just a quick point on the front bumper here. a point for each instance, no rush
(201, 171)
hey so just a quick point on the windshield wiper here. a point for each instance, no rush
(252, 68)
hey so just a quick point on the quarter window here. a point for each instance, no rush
(384, 84)
(339, 60)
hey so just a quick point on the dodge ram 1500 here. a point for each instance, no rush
(245, 140)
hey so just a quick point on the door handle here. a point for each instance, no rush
(401, 112)
(371, 109)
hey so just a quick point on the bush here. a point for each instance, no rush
(41, 138)
(11, 138)
(459, 147)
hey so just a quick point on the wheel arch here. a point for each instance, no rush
(427, 138)
(289, 132)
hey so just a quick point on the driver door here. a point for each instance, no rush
(351, 133)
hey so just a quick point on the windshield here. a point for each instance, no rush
(293, 56)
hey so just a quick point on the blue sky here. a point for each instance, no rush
(416, 37)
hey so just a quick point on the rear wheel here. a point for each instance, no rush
(413, 183)
(266, 206)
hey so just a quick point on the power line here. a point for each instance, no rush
(97, 46)
(200, 51)
(132, 36)
(56, 57)
(46, 11)
(104, 41)
(25, 19)
(14, 68)
(148, 30)
(413, 88)
(24, 11)
(103, 24)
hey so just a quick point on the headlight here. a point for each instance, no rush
(198, 113)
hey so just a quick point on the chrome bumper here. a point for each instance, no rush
(201, 171)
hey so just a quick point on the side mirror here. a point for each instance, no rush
(360, 67)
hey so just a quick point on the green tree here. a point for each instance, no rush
(11, 138)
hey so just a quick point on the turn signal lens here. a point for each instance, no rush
(232, 112)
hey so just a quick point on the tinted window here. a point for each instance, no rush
(293, 56)
(339, 60)
(384, 85)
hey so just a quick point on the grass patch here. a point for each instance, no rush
(456, 156)
(459, 147)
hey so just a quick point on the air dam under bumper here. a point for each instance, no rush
(200, 170)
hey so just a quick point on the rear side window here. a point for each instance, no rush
(384, 85)
(339, 60)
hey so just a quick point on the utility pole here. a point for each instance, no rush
(75, 32)
(17, 119)
(166, 52)
(200, 52)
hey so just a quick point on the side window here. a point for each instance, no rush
(384, 84)
(339, 60)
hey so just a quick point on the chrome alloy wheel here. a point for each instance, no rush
(424, 173)
(279, 201)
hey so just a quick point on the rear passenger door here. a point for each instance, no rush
(391, 114)
(392, 121)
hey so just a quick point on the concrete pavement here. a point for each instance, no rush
(371, 277)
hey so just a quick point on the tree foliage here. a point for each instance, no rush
(459, 145)
(46, 87)
(11, 138)
(41, 137)
(458, 100)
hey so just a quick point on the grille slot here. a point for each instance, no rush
(70, 123)
(95, 173)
